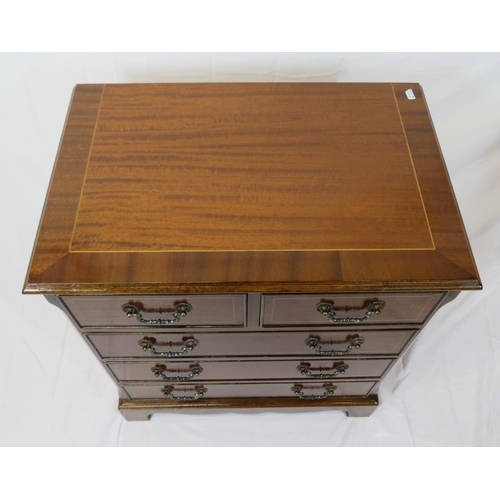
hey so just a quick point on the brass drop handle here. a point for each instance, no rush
(329, 391)
(314, 344)
(326, 309)
(159, 370)
(168, 392)
(337, 370)
(180, 311)
(148, 344)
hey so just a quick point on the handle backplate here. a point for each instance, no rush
(168, 392)
(329, 391)
(314, 345)
(159, 371)
(181, 309)
(326, 309)
(337, 369)
(148, 344)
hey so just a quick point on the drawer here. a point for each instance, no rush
(298, 390)
(154, 310)
(304, 343)
(344, 309)
(196, 370)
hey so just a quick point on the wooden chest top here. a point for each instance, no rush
(295, 187)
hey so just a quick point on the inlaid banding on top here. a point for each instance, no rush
(248, 167)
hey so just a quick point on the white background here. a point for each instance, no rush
(444, 392)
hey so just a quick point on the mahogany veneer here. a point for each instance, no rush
(249, 239)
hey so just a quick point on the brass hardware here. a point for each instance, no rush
(330, 390)
(326, 309)
(180, 311)
(159, 370)
(313, 344)
(148, 343)
(167, 391)
(337, 370)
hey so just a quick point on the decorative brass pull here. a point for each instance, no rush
(180, 311)
(337, 370)
(159, 370)
(167, 391)
(314, 345)
(326, 309)
(330, 390)
(148, 343)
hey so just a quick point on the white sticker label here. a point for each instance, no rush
(409, 93)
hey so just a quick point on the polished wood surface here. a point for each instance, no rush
(300, 310)
(249, 167)
(248, 343)
(207, 310)
(251, 369)
(251, 389)
(143, 409)
(252, 203)
(206, 188)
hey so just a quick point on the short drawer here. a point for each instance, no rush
(298, 390)
(154, 310)
(346, 309)
(196, 370)
(168, 345)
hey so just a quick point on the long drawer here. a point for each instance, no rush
(298, 390)
(154, 310)
(174, 345)
(182, 371)
(341, 309)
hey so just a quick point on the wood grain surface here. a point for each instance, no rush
(253, 369)
(117, 345)
(252, 389)
(177, 188)
(249, 167)
(354, 406)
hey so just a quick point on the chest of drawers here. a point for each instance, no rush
(249, 245)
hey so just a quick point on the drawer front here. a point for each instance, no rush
(320, 344)
(249, 390)
(151, 310)
(356, 309)
(185, 371)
